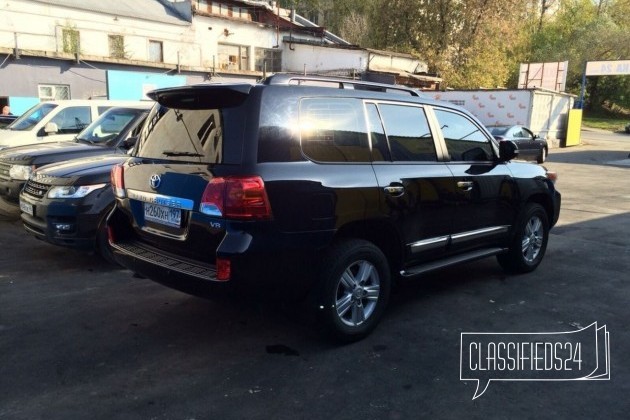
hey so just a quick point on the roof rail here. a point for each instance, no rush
(336, 82)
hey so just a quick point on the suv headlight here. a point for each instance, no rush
(72, 191)
(20, 171)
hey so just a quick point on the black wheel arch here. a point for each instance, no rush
(382, 234)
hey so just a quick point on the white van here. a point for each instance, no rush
(53, 121)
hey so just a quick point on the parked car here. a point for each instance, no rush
(330, 187)
(530, 145)
(113, 132)
(66, 203)
(54, 121)
(5, 120)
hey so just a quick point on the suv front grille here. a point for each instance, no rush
(35, 189)
(4, 171)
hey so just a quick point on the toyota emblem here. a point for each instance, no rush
(154, 181)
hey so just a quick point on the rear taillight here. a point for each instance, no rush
(236, 198)
(552, 176)
(224, 269)
(118, 183)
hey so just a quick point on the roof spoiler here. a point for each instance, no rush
(201, 96)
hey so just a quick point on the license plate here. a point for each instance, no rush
(164, 215)
(27, 208)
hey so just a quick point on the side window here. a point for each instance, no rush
(516, 132)
(408, 133)
(527, 134)
(102, 108)
(464, 140)
(72, 120)
(334, 130)
(380, 151)
(135, 132)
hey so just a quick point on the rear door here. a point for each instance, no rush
(178, 154)
(415, 186)
(482, 189)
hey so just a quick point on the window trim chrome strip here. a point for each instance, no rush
(430, 243)
(439, 241)
(479, 233)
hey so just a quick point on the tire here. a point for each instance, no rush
(354, 288)
(543, 156)
(529, 242)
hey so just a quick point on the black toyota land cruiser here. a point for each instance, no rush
(333, 186)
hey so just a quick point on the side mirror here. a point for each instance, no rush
(51, 128)
(508, 150)
(129, 142)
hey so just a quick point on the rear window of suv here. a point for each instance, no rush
(200, 135)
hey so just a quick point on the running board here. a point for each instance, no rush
(447, 262)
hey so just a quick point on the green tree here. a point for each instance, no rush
(470, 43)
(581, 31)
(480, 43)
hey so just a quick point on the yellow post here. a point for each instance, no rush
(574, 126)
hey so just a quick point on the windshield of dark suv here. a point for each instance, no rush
(183, 135)
(32, 117)
(107, 127)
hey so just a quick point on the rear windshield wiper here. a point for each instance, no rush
(174, 153)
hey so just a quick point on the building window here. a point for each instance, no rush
(70, 40)
(53, 92)
(116, 46)
(155, 51)
(223, 9)
(233, 57)
(204, 6)
(268, 60)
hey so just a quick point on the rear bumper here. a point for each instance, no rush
(261, 262)
(184, 275)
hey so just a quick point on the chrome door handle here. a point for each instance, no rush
(395, 190)
(465, 185)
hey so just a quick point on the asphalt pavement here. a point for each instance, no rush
(83, 339)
